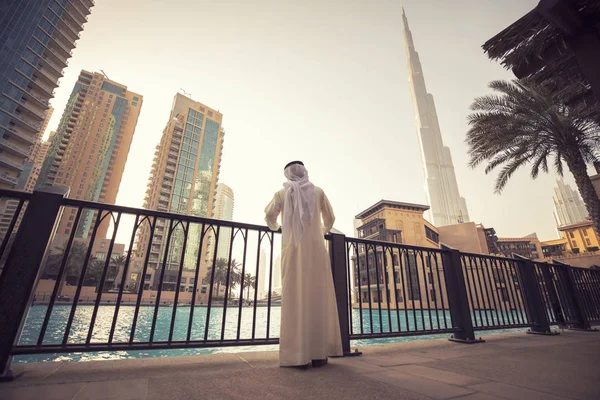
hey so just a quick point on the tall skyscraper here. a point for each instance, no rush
(36, 40)
(184, 175)
(262, 274)
(569, 208)
(224, 203)
(447, 207)
(90, 147)
(277, 275)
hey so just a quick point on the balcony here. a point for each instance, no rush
(13, 148)
(67, 41)
(63, 47)
(57, 56)
(27, 122)
(46, 89)
(71, 29)
(81, 8)
(51, 65)
(76, 14)
(30, 95)
(8, 162)
(28, 109)
(8, 179)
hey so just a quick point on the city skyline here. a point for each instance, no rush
(267, 161)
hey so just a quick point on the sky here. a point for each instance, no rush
(325, 82)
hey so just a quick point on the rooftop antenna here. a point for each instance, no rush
(104, 73)
(186, 93)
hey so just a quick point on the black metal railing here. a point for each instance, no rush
(181, 281)
(396, 290)
(170, 318)
(494, 289)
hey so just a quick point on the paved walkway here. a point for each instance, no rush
(515, 366)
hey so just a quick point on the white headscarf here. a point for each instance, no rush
(299, 203)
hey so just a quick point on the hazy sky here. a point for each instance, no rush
(321, 81)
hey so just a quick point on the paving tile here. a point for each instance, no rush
(134, 389)
(440, 375)
(506, 391)
(400, 359)
(359, 366)
(42, 392)
(479, 396)
(427, 387)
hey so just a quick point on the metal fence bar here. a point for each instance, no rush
(571, 288)
(339, 272)
(539, 317)
(81, 278)
(143, 281)
(186, 231)
(395, 276)
(457, 296)
(123, 277)
(195, 287)
(243, 278)
(59, 279)
(22, 267)
(387, 285)
(102, 280)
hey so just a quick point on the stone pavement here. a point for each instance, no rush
(514, 366)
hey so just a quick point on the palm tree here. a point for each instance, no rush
(75, 262)
(118, 262)
(249, 281)
(220, 278)
(522, 125)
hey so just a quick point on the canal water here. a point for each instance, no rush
(381, 322)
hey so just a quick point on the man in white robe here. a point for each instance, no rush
(310, 330)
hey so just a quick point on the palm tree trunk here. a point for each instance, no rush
(588, 193)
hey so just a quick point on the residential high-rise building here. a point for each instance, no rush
(569, 208)
(37, 158)
(28, 166)
(49, 113)
(223, 210)
(447, 207)
(89, 150)
(36, 40)
(26, 180)
(183, 180)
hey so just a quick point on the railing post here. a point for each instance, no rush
(533, 297)
(22, 266)
(339, 270)
(458, 301)
(583, 324)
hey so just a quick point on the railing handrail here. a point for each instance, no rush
(163, 214)
(394, 244)
(15, 194)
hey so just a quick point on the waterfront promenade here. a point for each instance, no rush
(509, 366)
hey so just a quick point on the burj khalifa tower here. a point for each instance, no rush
(447, 207)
